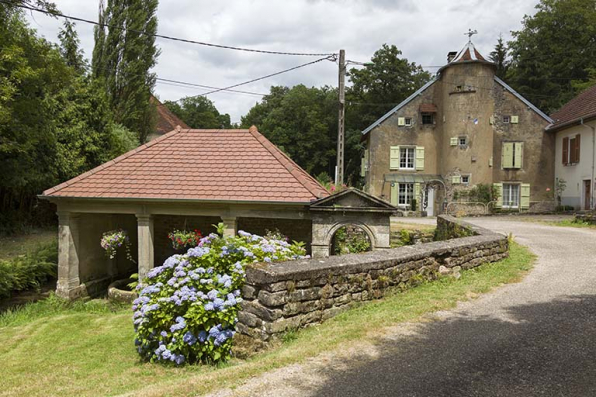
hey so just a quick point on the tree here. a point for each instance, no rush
(499, 57)
(554, 47)
(125, 58)
(199, 112)
(69, 48)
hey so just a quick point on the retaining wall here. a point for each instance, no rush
(288, 295)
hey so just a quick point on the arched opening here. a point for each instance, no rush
(350, 239)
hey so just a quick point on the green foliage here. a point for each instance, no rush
(560, 185)
(554, 47)
(199, 112)
(124, 60)
(188, 310)
(29, 270)
(350, 240)
(500, 57)
(481, 193)
(70, 47)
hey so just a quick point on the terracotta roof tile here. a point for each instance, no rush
(582, 106)
(238, 165)
(166, 120)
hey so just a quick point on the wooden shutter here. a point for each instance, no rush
(499, 200)
(577, 148)
(514, 119)
(519, 155)
(453, 141)
(394, 192)
(394, 159)
(565, 151)
(525, 196)
(420, 158)
(507, 155)
(491, 120)
(456, 179)
(401, 121)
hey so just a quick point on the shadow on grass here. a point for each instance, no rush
(541, 349)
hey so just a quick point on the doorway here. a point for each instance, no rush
(587, 194)
(430, 201)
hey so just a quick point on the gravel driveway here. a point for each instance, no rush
(534, 338)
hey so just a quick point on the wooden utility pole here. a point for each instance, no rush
(339, 168)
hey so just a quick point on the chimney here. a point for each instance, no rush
(450, 56)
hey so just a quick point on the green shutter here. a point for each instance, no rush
(401, 121)
(363, 167)
(507, 155)
(394, 191)
(519, 155)
(394, 161)
(491, 120)
(420, 158)
(525, 196)
(514, 119)
(456, 179)
(499, 188)
(453, 141)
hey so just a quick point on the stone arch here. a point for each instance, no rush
(372, 237)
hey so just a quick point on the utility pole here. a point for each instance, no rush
(339, 168)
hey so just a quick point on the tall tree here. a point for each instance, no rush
(199, 112)
(70, 47)
(499, 57)
(99, 34)
(126, 57)
(555, 46)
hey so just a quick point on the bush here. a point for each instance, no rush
(350, 240)
(28, 271)
(187, 311)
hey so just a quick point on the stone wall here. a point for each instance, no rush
(282, 296)
(294, 229)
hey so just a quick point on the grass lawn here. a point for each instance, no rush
(11, 246)
(562, 223)
(51, 348)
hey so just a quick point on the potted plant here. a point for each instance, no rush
(184, 238)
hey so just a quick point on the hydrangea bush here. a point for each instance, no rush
(187, 308)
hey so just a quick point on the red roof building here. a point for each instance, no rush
(166, 120)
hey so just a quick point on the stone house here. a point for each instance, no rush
(186, 179)
(574, 130)
(463, 128)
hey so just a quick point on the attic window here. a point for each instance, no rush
(506, 119)
(428, 118)
(463, 141)
(408, 121)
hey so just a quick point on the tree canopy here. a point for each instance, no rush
(199, 112)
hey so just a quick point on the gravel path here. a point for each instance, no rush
(534, 338)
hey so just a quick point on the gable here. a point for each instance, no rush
(352, 200)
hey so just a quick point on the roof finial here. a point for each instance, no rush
(470, 34)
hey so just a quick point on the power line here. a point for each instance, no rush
(202, 43)
(178, 83)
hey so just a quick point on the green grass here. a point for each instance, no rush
(564, 223)
(84, 349)
(11, 246)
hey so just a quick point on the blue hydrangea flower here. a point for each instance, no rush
(189, 338)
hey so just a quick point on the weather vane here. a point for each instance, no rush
(470, 34)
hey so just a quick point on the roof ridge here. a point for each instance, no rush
(524, 100)
(111, 162)
(303, 177)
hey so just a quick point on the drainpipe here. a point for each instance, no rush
(593, 161)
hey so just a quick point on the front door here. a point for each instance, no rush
(587, 195)
(430, 209)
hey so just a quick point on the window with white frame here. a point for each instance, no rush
(506, 119)
(465, 179)
(408, 121)
(405, 194)
(510, 195)
(407, 158)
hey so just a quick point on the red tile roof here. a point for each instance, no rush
(582, 106)
(428, 108)
(214, 165)
(166, 120)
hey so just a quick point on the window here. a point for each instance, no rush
(506, 119)
(428, 118)
(465, 179)
(405, 194)
(462, 141)
(408, 122)
(512, 155)
(407, 158)
(571, 149)
(510, 195)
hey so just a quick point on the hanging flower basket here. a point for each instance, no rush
(184, 238)
(114, 239)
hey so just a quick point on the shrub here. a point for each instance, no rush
(186, 311)
(28, 271)
(350, 240)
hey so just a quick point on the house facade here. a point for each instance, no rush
(574, 130)
(463, 128)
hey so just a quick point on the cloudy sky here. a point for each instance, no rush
(424, 30)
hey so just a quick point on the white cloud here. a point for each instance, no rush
(424, 30)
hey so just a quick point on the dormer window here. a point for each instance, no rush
(428, 118)
(506, 119)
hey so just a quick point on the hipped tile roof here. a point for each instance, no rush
(582, 106)
(187, 164)
(166, 120)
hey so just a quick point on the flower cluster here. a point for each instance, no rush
(184, 238)
(114, 239)
(187, 309)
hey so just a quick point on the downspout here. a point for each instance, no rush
(593, 161)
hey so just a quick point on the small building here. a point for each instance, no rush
(574, 129)
(463, 128)
(187, 179)
(166, 120)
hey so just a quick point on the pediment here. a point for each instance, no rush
(352, 200)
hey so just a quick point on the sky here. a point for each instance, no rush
(424, 30)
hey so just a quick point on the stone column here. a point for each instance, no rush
(231, 226)
(69, 283)
(145, 235)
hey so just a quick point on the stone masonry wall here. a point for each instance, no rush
(286, 295)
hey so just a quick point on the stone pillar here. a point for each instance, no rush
(69, 283)
(145, 235)
(230, 226)
(319, 246)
